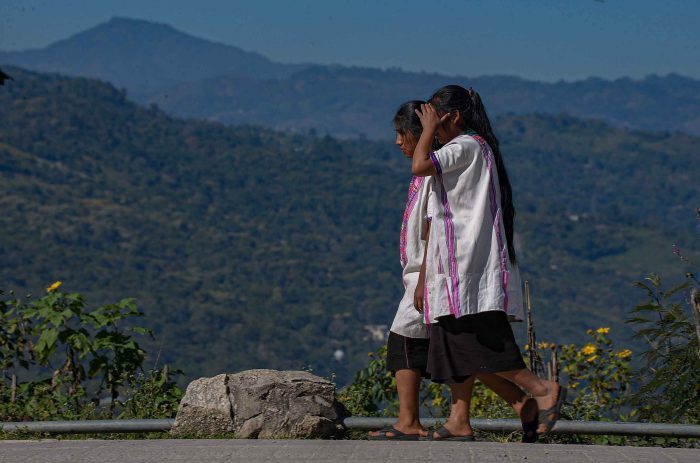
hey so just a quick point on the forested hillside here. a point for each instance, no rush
(252, 248)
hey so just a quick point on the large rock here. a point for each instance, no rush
(262, 404)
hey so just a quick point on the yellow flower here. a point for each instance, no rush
(542, 345)
(589, 331)
(552, 346)
(527, 346)
(602, 330)
(623, 354)
(54, 287)
(589, 349)
(591, 359)
(573, 385)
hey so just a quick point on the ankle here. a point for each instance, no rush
(458, 421)
(409, 422)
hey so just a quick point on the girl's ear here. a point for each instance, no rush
(457, 118)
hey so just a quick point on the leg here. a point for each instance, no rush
(407, 386)
(546, 393)
(458, 422)
(524, 406)
(506, 390)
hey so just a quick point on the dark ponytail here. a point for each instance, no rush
(468, 103)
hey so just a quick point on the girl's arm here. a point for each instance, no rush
(418, 295)
(422, 165)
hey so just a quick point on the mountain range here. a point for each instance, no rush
(254, 248)
(192, 77)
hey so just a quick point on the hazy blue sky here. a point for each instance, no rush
(544, 39)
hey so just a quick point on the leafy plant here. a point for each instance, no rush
(372, 386)
(600, 376)
(670, 378)
(58, 357)
(151, 395)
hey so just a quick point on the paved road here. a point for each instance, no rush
(254, 451)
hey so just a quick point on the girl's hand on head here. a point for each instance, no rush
(429, 118)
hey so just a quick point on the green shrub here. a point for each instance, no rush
(59, 359)
(669, 381)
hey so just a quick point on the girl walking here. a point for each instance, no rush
(408, 343)
(470, 261)
(407, 346)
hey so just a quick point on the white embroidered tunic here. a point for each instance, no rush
(408, 321)
(468, 269)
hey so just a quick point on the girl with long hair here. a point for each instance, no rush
(408, 343)
(469, 275)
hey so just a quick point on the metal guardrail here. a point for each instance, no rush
(368, 423)
(88, 426)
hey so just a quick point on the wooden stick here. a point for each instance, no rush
(530, 328)
(13, 396)
(695, 302)
(536, 365)
(555, 366)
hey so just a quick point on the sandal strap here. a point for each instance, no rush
(392, 430)
(554, 410)
(544, 414)
(443, 432)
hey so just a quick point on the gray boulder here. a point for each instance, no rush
(265, 404)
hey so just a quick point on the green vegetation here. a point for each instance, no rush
(249, 248)
(598, 375)
(670, 377)
(602, 382)
(61, 360)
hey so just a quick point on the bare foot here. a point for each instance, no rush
(547, 401)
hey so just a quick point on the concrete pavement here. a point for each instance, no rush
(289, 451)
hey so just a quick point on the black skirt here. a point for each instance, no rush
(404, 353)
(471, 344)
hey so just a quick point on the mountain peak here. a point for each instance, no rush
(143, 55)
(136, 25)
(121, 28)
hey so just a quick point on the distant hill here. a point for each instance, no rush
(253, 248)
(361, 101)
(192, 77)
(144, 57)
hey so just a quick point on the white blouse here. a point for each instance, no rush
(468, 269)
(408, 321)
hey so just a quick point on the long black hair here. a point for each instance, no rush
(406, 120)
(473, 114)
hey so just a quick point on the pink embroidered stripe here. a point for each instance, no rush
(413, 190)
(449, 238)
(496, 212)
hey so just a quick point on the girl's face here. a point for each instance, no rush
(406, 142)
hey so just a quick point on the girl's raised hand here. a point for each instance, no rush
(429, 118)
